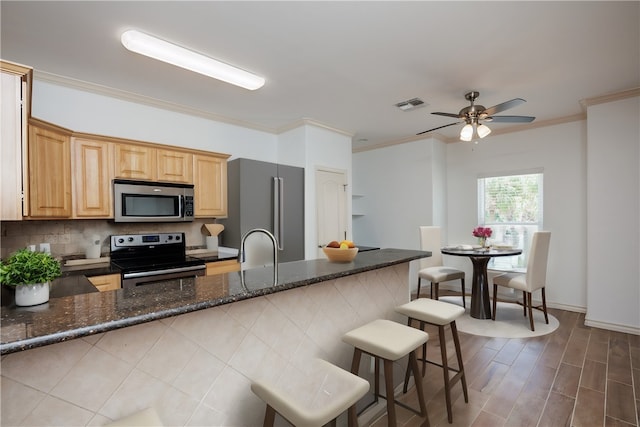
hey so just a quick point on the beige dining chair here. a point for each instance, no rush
(432, 268)
(535, 278)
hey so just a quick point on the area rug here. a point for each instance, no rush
(509, 323)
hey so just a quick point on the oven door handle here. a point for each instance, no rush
(167, 271)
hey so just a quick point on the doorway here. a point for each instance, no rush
(331, 202)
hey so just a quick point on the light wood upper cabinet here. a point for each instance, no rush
(15, 91)
(92, 174)
(210, 186)
(174, 166)
(135, 161)
(49, 171)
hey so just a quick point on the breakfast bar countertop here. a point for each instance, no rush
(70, 317)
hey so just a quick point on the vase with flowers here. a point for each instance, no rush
(482, 233)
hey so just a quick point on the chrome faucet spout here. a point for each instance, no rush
(241, 253)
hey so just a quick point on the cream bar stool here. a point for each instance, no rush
(327, 392)
(439, 314)
(389, 341)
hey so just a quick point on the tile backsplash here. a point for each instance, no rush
(70, 237)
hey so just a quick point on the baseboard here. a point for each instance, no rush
(613, 327)
(566, 307)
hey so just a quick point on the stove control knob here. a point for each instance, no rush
(130, 239)
(177, 237)
(170, 237)
(121, 240)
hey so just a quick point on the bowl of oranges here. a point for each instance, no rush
(344, 251)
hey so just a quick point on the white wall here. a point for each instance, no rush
(403, 188)
(560, 151)
(406, 194)
(613, 223)
(331, 150)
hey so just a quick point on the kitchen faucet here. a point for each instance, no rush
(241, 253)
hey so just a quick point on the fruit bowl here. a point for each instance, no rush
(340, 255)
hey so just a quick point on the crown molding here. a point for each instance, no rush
(315, 123)
(587, 102)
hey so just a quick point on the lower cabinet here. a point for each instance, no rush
(107, 282)
(220, 267)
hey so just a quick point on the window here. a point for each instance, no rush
(512, 206)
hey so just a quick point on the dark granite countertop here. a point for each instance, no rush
(76, 316)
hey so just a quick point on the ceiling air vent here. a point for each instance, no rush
(410, 104)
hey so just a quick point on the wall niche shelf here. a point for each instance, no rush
(355, 197)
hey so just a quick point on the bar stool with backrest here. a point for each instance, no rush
(440, 314)
(314, 400)
(535, 278)
(389, 341)
(432, 268)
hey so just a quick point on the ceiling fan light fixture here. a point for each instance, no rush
(483, 130)
(155, 48)
(466, 134)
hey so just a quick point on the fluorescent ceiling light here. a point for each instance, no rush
(161, 50)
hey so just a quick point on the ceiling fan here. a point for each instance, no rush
(474, 115)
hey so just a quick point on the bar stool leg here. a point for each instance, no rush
(269, 416)
(445, 369)
(391, 404)
(413, 361)
(463, 377)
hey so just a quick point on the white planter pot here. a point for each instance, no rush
(35, 294)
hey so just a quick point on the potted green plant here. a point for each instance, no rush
(30, 273)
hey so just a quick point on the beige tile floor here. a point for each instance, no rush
(576, 376)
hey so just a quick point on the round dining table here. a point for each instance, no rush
(480, 301)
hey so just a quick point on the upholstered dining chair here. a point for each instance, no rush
(432, 268)
(535, 278)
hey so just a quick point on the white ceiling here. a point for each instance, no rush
(344, 64)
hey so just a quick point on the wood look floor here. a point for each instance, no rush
(576, 376)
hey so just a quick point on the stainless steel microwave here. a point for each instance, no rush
(143, 201)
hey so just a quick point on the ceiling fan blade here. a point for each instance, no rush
(456, 116)
(504, 106)
(510, 119)
(439, 127)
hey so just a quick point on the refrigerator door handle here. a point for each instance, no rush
(278, 208)
(281, 214)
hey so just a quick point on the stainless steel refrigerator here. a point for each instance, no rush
(265, 195)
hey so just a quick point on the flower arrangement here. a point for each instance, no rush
(482, 233)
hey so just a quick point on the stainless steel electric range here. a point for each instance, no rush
(145, 259)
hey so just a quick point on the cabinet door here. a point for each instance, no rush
(135, 162)
(220, 267)
(175, 166)
(210, 186)
(92, 179)
(49, 169)
(107, 282)
(12, 117)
